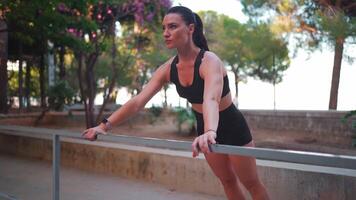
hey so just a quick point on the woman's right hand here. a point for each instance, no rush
(92, 133)
(202, 142)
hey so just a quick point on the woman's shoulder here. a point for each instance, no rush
(165, 68)
(211, 58)
(167, 65)
(211, 62)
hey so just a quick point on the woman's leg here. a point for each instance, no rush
(222, 168)
(245, 168)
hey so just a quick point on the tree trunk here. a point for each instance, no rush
(42, 82)
(44, 107)
(165, 103)
(81, 86)
(236, 75)
(20, 79)
(62, 70)
(114, 75)
(90, 81)
(3, 67)
(51, 66)
(339, 48)
(27, 85)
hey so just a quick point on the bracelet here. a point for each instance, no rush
(210, 130)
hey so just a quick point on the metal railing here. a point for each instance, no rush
(301, 157)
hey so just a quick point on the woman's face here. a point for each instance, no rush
(175, 31)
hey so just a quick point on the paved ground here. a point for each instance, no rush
(23, 179)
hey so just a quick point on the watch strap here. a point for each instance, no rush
(107, 124)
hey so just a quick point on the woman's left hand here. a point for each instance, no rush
(202, 142)
(92, 133)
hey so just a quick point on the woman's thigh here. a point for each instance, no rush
(245, 167)
(221, 166)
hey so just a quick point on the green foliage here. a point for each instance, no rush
(213, 30)
(353, 125)
(67, 22)
(144, 50)
(155, 112)
(153, 55)
(184, 116)
(336, 25)
(85, 29)
(348, 115)
(250, 49)
(34, 22)
(59, 95)
(311, 22)
(156, 53)
(270, 54)
(71, 70)
(13, 83)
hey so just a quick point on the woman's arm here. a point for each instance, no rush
(160, 77)
(212, 73)
(139, 101)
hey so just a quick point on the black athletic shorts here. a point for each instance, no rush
(232, 128)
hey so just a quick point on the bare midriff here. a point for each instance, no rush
(224, 103)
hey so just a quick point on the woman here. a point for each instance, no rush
(199, 76)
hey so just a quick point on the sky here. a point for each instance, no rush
(306, 83)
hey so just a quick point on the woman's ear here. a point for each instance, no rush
(191, 28)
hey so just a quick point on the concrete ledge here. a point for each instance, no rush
(320, 123)
(177, 169)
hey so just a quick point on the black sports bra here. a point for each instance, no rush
(195, 92)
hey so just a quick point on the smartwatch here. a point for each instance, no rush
(107, 124)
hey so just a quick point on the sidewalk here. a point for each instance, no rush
(24, 179)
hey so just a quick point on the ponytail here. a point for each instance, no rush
(192, 18)
(198, 35)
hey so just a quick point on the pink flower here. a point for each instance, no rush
(150, 16)
(166, 3)
(61, 7)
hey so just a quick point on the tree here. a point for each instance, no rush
(82, 27)
(270, 55)
(32, 83)
(213, 29)
(119, 59)
(31, 25)
(225, 36)
(104, 14)
(3, 67)
(156, 54)
(249, 49)
(313, 23)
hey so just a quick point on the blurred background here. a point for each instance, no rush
(287, 56)
(93, 56)
(67, 64)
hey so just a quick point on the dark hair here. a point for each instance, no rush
(192, 18)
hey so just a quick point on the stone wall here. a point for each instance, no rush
(324, 126)
(319, 122)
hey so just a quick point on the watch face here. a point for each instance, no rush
(107, 123)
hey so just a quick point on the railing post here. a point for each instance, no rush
(56, 160)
